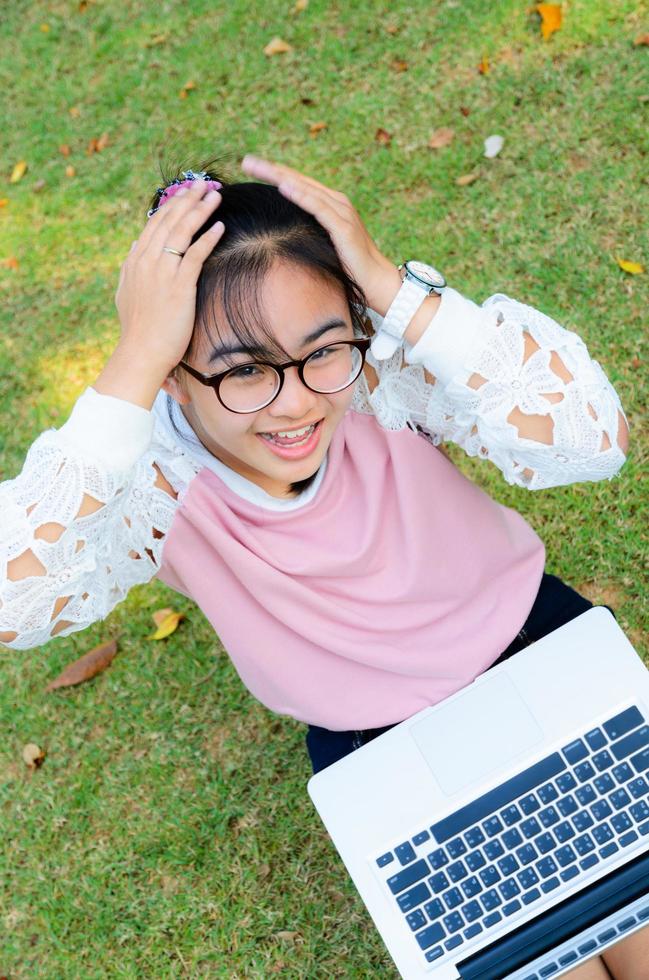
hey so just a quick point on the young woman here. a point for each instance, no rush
(265, 439)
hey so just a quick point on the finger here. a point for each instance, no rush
(166, 212)
(277, 173)
(184, 221)
(192, 263)
(330, 214)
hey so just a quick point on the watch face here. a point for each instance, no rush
(427, 274)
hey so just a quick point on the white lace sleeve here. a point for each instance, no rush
(510, 351)
(88, 563)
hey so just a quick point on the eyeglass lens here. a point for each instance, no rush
(253, 386)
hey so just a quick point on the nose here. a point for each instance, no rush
(295, 400)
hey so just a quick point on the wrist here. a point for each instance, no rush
(131, 376)
(422, 318)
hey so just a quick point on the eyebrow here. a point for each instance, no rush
(332, 324)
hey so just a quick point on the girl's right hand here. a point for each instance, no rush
(156, 294)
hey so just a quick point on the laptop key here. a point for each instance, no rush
(643, 913)
(584, 771)
(434, 909)
(471, 911)
(475, 861)
(565, 855)
(453, 922)
(471, 887)
(643, 828)
(547, 971)
(490, 900)
(416, 919)
(619, 798)
(456, 847)
(588, 862)
(627, 839)
(494, 849)
(566, 782)
(438, 882)
(549, 816)
(456, 871)
(413, 897)
(626, 924)
(567, 805)
(510, 815)
(421, 838)
(585, 795)
(491, 920)
(603, 760)
(526, 854)
(545, 842)
(587, 947)
(529, 804)
(584, 844)
(639, 811)
(621, 822)
(564, 832)
(623, 772)
(474, 837)
(473, 930)
(489, 876)
(569, 873)
(582, 821)
(547, 793)
(631, 743)
(452, 898)
(438, 859)
(453, 942)
(596, 739)
(431, 934)
(604, 784)
(512, 838)
(530, 896)
(508, 864)
(638, 787)
(511, 907)
(623, 723)
(575, 751)
(608, 850)
(492, 826)
(509, 889)
(550, 884)
(403, 879)
(405, 853)
(546, 867)
(602, 833)
(527, 877)
(435, 953)
(569, 957)
(385, 859)
(640, 762)
(607, 935)
(530, 827)
(601, 810)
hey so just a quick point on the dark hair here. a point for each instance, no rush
(261, 226)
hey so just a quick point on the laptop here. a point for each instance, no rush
(504, 832)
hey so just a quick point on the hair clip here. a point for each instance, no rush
(188, 177)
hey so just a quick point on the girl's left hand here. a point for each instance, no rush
(375, 274)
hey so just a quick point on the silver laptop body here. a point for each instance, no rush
(504, 832)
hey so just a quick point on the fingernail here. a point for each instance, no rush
(183, 190)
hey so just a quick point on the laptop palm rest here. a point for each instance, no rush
(463, 741)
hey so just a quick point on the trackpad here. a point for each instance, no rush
(477, 733)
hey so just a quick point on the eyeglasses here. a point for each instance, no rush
(253, 385)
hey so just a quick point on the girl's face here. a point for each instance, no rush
(296, 305)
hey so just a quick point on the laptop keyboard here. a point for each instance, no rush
(502, 853)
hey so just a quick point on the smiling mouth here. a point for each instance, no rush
(291, 437)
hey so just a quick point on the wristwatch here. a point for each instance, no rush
(418, 281)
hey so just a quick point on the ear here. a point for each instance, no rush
(173, 387)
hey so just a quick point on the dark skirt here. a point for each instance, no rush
(555, 604)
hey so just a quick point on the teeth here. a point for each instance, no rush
(295, 434)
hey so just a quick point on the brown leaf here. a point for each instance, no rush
(466, 179)
(276, 46)
(85, 667)
(74, 111)
(83, 6)
(391, 28)
(383, 137)
(70, 171)
(4, 201)
(465, 110)
(18, 172)
(33, 755)
(316, 128)
(641, 39)
(483, 67)
(441, 137)
(551, 16)
(187, 87)
(64, 150)
(286, 934)
(300, 5)
(157, 39)
(10, 263)
(399, 66)
(168, 626)
(306, 101)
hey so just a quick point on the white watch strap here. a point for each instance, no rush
(403, 308)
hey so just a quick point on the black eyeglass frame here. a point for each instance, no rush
(215, 380)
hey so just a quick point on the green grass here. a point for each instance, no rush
(169, 833)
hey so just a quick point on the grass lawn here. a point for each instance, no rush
(169, 832)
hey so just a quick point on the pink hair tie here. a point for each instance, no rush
(188, 179)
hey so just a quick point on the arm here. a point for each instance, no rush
(507, 383)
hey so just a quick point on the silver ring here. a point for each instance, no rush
(173, 251)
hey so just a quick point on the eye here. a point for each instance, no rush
(245, 372)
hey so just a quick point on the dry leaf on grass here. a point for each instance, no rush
(64, 150)
(398, 65)
(551, 17)
(632, 267)
(187, 87)
(70, 171)
(33, 755)
(466, 179)
(74, 111)
(300, 5)
(440, 138)
(641, 39)
(483, 67)
(383, 137)
(160, 615)
(316, 128)
(85, 667)
(18, 172)
(4, 201)
(276, 46)
(45, 28)
(10, 263)
(167, 626)
(97, 145)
